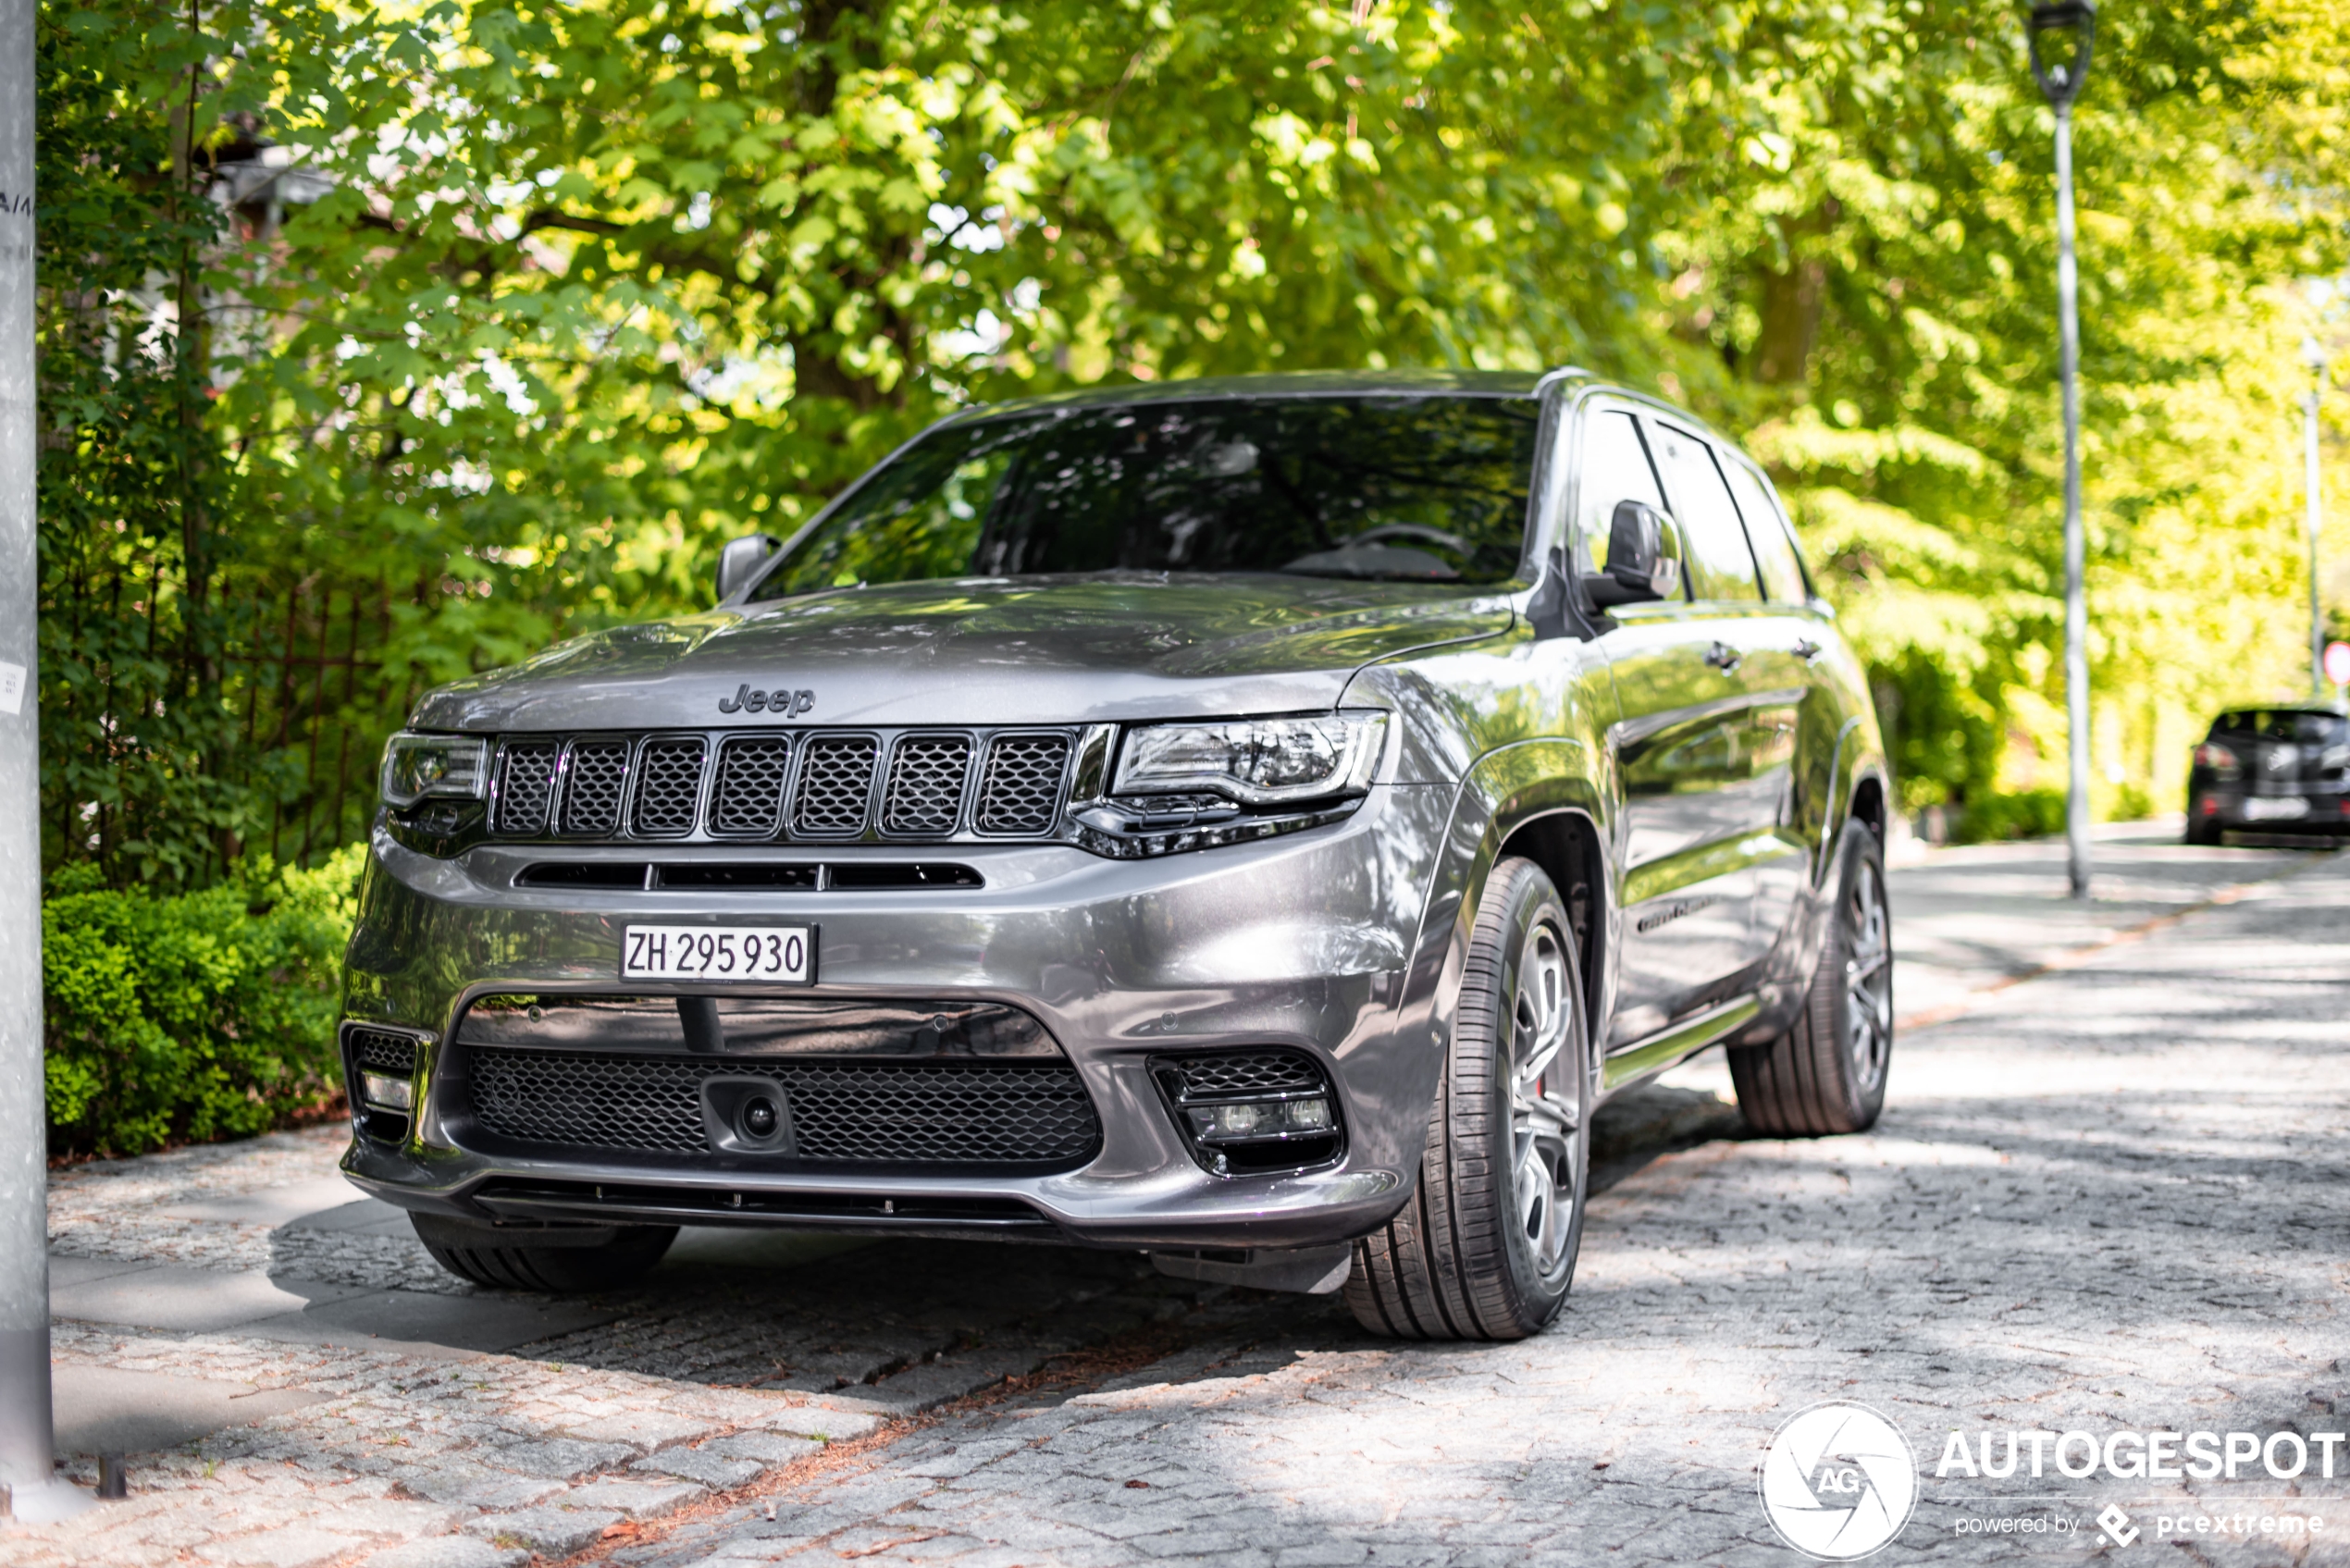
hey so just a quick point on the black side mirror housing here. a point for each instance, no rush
(1638, 569)
(740, 562)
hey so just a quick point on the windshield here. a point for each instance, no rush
(1419, 489)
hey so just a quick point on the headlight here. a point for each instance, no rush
(416, 766)
(1256, 762)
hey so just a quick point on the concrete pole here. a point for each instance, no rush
(26, 1437)
(2076, 603)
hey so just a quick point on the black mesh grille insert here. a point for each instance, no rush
(1020, 791)
(596, 778)
(1239, 1073)
(925, 792)
(887, 1113)
(380, 1050)
(526, 784)
(748, 796)
(669, 785)
(836, 783)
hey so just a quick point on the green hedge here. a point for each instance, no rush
(200, 1016)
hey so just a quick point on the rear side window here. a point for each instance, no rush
(1721, 566)
(1767, 531)
(1614, 469)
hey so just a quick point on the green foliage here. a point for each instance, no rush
(590, 286)
(192, 1016)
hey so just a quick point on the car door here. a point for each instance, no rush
(1711, 784)
(1783, 646)
(1678, 741)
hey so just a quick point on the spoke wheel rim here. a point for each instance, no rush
(1868, 978)
(1546, 1104)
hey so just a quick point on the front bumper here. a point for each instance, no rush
(1306, 941)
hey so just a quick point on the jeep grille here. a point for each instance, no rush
(835, 785)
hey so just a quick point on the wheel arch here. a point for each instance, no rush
(1566, 844)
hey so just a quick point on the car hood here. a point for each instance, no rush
(996, 651)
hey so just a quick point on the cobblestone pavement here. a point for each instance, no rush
(2108, 1197)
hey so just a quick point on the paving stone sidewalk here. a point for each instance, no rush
(2111, 1187)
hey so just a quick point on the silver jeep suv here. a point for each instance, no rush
(1254, 822)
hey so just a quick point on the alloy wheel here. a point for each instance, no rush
(1546, 1103)
(1868, 978)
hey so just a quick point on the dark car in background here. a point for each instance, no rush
(2285, 768)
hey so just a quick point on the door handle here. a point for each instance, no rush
(1723, 656)
(1806, 650)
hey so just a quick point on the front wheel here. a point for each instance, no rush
(1486, 1248)
(1826, 1074)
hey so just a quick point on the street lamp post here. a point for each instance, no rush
(2313, 354)
(2060, 81)
(26, 1457)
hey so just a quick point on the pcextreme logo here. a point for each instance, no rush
(1839, 1481)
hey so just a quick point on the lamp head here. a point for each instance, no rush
(2061, 32)
(2313, 354)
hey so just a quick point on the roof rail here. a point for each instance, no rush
(1563, 373)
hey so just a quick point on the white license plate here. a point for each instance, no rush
(2280, 810)
(775, 955)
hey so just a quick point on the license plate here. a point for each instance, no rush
(2259, 809)
(775, 955)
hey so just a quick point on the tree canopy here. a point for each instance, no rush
(382, 345)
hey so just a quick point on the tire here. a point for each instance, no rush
(566, 1258)
(2203, 832)
(1828, 1073)
(1486, 1248)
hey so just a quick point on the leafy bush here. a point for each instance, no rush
(2028, 814)
(192, 1017)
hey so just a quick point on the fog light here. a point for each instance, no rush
(1236, 1121)
(1313, 1116)
(392, 1094)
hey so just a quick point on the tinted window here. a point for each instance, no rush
(1767, 531)
(1614, 468)
(1418, 488)
(1721, 567)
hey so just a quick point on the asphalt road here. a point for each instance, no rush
(2105, 1196)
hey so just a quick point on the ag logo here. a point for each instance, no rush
(1839, 1481)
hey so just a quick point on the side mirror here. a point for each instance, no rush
(1637, 568)
(741, 559)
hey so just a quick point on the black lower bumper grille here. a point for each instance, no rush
(1028, 1113)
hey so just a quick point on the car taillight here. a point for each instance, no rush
(2218, 758)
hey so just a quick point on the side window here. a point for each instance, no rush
(1721, 567)
(1614, 468)
(1767, 530)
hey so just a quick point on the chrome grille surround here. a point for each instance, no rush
(525, 785)
(835, 794)
(747, 799)
(929, 775)
(1020, 787)
(595, 779)
(669, 770)
(787, 786)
